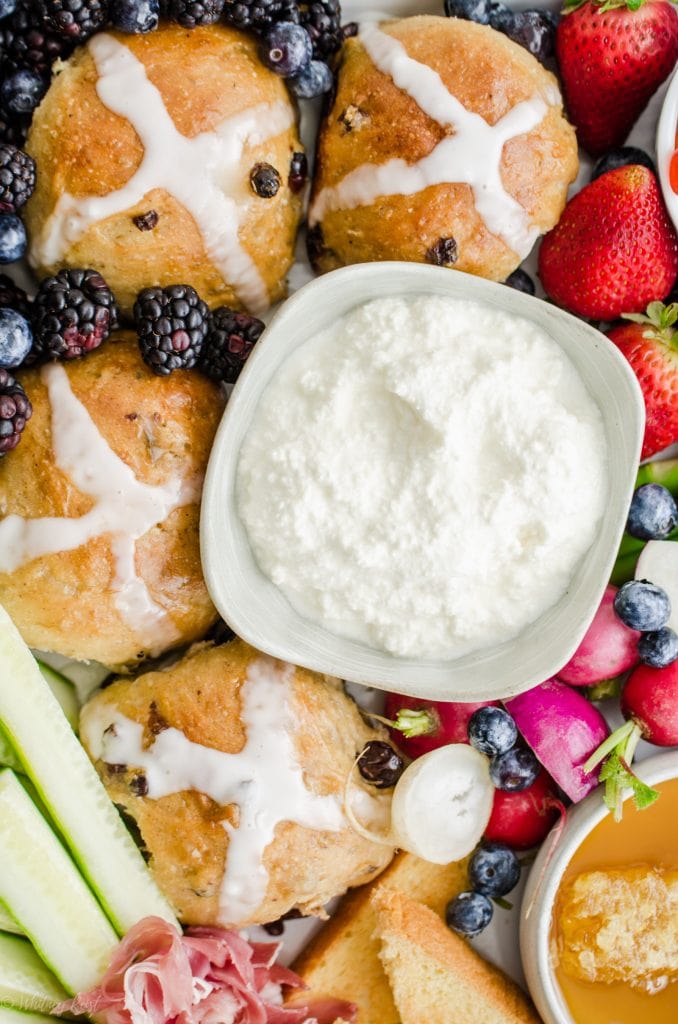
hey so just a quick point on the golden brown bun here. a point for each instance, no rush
(342, 961)
(435, 976)
(183, 832)
(372, 121)
(162, 427)
(204, 75)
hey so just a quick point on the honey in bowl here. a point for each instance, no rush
(616, 917)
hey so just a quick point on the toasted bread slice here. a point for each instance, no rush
(343, 959)
(435, 976)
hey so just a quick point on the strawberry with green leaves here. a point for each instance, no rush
(613, 56)
(650, 343)
(614, 248)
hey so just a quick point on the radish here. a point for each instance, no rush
(522, 820)
(563, 729)
(650, 700)
(658, 563)
(441, 804)
(608, 648)
(418, 725)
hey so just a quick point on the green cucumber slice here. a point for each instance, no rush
(8, 758)
(71, 790)
(8, 1015)
(64, 691)
(7, 922)
(25, 982)
(47, 896)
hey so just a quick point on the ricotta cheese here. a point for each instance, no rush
(424, 476)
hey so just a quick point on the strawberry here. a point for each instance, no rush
(613, 55)
(650, 343)
(614, 249)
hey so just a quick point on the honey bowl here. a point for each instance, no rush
(600, 911)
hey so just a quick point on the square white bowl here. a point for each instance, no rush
(260, 613)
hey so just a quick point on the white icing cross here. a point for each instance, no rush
(265, 779)
(198, 172)
(124, 507)
(471, 156)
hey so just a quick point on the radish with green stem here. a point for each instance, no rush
(608, 648)
(664, 472)
(563, 729)
(649, 702)
(418, 725)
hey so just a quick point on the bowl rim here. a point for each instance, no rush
(246, 598)
(540, 893)
(667, 126)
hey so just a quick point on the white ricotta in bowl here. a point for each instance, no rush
(424, 476)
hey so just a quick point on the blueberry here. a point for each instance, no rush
(286, 49)
(314, 80)
(640, 605)
(534, 31)
(501, 16)
(492, 731)
(12, 238)
(494, 869)
(515, 770)
(521, 281)
(16, 338)
(659, 648)
(653, 513)
(135, 16)
(469, 10)
(7, 7)
(621, 157)
(21, 92)
(469, 914)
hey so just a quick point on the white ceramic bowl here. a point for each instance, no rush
(538, 898)
(666, 144)
(258, 611)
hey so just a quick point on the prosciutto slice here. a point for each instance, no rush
(207, 976)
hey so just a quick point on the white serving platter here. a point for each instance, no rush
(499, 943)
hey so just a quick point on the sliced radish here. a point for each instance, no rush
(658, 563)
(442, 804)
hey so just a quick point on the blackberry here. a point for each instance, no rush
(27, 42)
(259, 15)
(172, 324)
(322, 21)
(17, 177)
(73, 313)
(231, 338)
(15, 411)
(191, 13)
(13, 297)
(75, 20)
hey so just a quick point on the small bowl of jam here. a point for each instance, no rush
(599, 922)
(667, 149)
